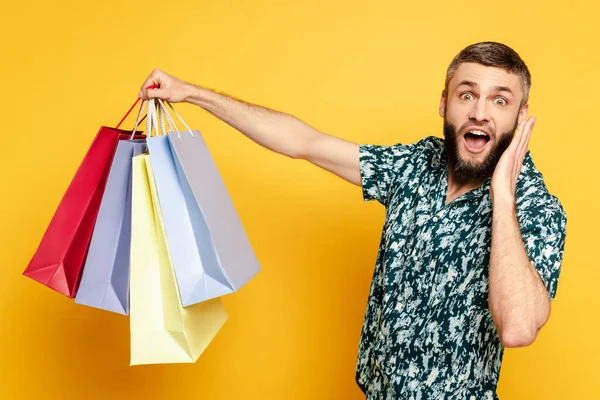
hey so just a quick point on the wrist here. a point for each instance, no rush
(190, 92)
(200, 96)
(504, 203)
(501, 194)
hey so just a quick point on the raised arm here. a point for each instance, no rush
(274, 130)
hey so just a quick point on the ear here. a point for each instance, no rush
(523, 113)
(443, 104)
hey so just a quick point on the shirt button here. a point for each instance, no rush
(415, 258)
(435, 219)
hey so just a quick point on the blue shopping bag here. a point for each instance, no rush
(105, 279)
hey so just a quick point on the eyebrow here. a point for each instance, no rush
(474, 85)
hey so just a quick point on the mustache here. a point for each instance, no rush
(467, 126)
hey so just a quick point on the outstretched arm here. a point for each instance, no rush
(274, 130)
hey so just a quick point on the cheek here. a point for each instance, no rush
(503, 138)
(457, 115)
(506, 122)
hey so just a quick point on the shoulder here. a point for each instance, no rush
(429, 147)
(430, 152)
(535, 204)
(401, 154)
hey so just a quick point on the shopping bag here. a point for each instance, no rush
(58, 261)
(105, 278)
(162, 330)
(199, 274)
(211, 253)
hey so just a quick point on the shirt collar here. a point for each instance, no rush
(439, 162)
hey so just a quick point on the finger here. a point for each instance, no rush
(514, 144)
(150, 82)
(154, 79)
(159, 93)
(529, 131)
(523, 147)
(520, 130)
(526, 136)
(518, 139)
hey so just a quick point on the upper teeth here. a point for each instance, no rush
(478, 133)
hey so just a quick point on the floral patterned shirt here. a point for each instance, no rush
(428, 332)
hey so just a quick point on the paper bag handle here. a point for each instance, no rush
(134, 104)
(171, 122)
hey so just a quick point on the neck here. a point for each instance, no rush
(458, 187)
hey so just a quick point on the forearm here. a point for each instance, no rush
(274, 130)
(518, 299)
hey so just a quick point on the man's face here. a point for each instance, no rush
(481, 112)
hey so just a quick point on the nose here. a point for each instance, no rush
(479, 111)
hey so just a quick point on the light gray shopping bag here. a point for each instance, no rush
(105, 278)
(209, 248)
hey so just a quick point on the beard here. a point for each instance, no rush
(465, 170)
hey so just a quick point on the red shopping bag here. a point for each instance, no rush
(59, 259)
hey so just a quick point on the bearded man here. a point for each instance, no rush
(472, 242)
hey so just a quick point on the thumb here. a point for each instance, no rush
(159, 93)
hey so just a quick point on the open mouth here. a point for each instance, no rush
(476, 140)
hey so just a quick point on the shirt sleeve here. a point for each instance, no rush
(379, 166)
(544, 232)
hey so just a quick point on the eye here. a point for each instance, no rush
(466, 96)
(501, 101)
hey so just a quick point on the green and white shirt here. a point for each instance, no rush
(428, 332)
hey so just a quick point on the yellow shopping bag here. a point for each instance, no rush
(162, 331)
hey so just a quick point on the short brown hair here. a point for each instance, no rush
(493, 54)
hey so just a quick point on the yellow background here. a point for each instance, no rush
(368, 73)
